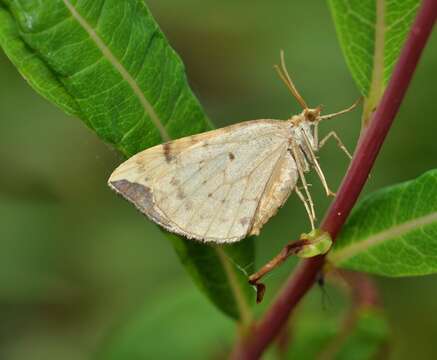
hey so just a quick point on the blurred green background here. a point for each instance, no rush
(81, 269)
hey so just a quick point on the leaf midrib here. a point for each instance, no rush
(377, 84)
(347, 252)
(106, 52)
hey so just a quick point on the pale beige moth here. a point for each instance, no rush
(224, 185)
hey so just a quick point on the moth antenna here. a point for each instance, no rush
(285, 77)
(350, 108)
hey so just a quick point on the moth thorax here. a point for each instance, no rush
(296, 120)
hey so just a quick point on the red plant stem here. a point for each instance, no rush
(256, 341)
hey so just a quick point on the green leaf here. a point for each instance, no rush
(31, 66)
(371, 34)
(108, 63)
(177, 324)
(393, 231)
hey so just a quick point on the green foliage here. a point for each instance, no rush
(393, 231)
(398, 17)
(108, 63)
(178, 325)
(371, 34)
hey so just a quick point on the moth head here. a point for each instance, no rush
(312, 115)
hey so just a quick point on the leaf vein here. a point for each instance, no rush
(378, 238)
(120, 68)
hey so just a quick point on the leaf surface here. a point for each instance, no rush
(392, 232)
(371, 34)
(108, 63)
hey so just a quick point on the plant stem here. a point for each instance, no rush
(368, 148)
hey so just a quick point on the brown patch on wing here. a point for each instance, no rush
(167, 152)
(141, 196)
(231, 156)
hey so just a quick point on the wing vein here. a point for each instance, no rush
(244, 193)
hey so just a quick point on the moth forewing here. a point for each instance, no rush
(218, 186)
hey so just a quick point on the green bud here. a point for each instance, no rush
(319, 243)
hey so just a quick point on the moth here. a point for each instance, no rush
(224, 185)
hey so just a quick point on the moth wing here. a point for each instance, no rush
(277, 191)
(209, 186)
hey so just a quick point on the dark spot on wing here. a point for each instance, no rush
(231, 156)
(167, 152)
(210, 195)
(188, 205)
(245, 220)
(180, 194)
(174, 181)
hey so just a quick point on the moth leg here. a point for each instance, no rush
(339, 143)
(299, 164)
(316, 135)
(316, 165)
(307, 208)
